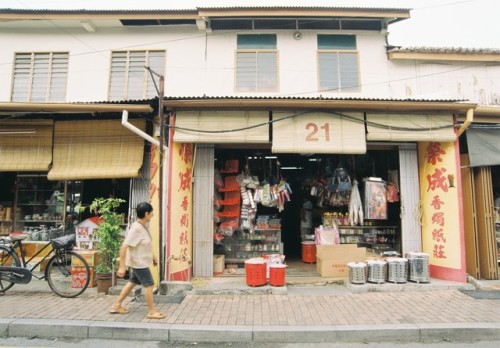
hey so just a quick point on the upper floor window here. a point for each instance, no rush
(40, 77)
(338, 63)
(257, 63)
(129, 79)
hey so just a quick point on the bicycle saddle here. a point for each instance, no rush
(18, 236)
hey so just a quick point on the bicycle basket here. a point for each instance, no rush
(64, 242)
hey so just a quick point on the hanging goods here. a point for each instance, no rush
(356, 215)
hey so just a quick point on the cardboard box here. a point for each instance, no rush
(78, 277)
(91, 256)
(332, 260)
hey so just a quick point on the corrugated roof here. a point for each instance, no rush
(95, 11)
(314, 98)
(456, 50)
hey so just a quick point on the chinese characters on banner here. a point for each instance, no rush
(179, 255)
(441, 234)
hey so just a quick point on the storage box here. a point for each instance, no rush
(78, 277)
(332, 260)
(91, 256)
(219, 264)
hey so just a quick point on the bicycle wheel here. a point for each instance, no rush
(7, 258)
(63, 278)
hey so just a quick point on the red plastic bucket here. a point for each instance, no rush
(309, 252)
(277, 275)
(255, 274)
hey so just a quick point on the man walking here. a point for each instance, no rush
(136, 252)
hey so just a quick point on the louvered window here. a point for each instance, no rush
(40, 77)
(256, 64)
(129, 79)
(338, 63)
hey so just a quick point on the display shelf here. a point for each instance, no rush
(43, 204)
(368, 236)
(244, 245)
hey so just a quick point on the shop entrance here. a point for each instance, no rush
(248, 223)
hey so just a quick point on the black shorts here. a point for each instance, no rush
(141, 276)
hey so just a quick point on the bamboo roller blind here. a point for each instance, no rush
(429, 127)
(96, 149)
(26, 152)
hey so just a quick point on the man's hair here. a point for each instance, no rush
(143, 208)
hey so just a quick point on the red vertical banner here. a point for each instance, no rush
(180, 212)
(441, 219)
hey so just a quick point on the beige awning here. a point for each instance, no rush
(318, 132)
(222, 127)
(398, 127)
(25, 145)
(96, 149)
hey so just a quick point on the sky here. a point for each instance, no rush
(433, 23)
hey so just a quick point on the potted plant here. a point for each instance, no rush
(109, 234)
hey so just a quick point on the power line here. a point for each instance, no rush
(100, 52)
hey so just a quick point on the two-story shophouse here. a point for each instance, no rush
(228, 119)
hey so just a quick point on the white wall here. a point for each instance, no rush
(200, 64)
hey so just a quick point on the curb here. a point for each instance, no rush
(83, 329)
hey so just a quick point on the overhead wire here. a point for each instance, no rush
(225, 68)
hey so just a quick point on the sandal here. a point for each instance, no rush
(119, 310)
(157, 315)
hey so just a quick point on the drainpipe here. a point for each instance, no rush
(468, 120)
(152, 140)
(137, 131)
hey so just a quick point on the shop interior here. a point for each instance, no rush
(45, 209)
(304, 175)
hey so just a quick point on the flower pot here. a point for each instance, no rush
(104, 282)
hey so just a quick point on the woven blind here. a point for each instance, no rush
(25, 152)
(318, 133)
(97, 149)
(410, 128)
(228, 127)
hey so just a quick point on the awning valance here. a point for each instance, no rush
(96, 149)
(483, 145)
(25, 145)
(218, 127)
(318, 132)
(408, 127)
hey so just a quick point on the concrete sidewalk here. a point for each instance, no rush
(323, 313)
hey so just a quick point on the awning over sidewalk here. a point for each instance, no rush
(96, 149)
(483, 143)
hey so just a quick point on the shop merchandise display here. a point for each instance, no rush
(240, 231)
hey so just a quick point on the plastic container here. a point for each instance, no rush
(309, 252)
(255, 273)
(277, 274)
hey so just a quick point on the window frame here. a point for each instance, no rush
(338, 52)
(52, 73)
(257, 52)
(146, 77)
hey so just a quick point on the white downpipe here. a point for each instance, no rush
(137, 131)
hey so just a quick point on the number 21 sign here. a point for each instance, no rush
(319, 132)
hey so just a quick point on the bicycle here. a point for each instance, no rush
(15, 269)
